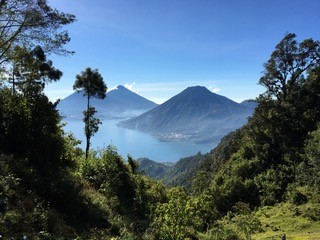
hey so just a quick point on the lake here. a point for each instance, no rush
(136, 143)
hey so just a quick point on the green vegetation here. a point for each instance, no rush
(296, 221)
(260, 182)
(153, 169)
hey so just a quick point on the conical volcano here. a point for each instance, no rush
(195, 114)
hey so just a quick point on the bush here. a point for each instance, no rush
(298, 198)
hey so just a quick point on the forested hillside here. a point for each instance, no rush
(262, 180)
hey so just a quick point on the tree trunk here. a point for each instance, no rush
(87, 128)
(87, 146)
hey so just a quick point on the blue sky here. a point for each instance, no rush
(158, 48)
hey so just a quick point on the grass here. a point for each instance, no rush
(297, 222)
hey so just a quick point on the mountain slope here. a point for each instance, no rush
(195, 114)
(178, 174)
(130, 99)
(119, 103)
(250, 103)
(151, 168)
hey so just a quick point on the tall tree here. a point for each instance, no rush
(27, 115)
(91, 82)
(288, 109)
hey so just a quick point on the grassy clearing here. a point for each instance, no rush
(297, 222)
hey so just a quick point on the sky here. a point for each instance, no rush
(157, 48)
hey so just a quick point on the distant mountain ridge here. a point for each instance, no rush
(119, 103)
(153, 169)
(179, 173)
(196, 114)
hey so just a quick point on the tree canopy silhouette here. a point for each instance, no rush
(31, 23)
(91, 82)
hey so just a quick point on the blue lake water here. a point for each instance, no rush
(136, 143)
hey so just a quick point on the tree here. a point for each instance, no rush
(288, 65)
(287, 112)
(278, 125)
(30, 123)
(91, 82)
(30, 23)
(31, 70)
(91, 125)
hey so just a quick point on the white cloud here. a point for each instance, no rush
(130, 86)
(214, 89)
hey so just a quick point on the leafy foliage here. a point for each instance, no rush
(31, 23)
(173, 219)
(131, 196)
(309, 169)
(31, 70)
(285, 70)
(91, 82)
(91, 125)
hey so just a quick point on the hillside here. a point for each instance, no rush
(249, 103)
(298, 222)
(151, 168)
(177, 174)
(195, 114)
(119, 103)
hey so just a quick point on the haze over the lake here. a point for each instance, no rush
(136, 143)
